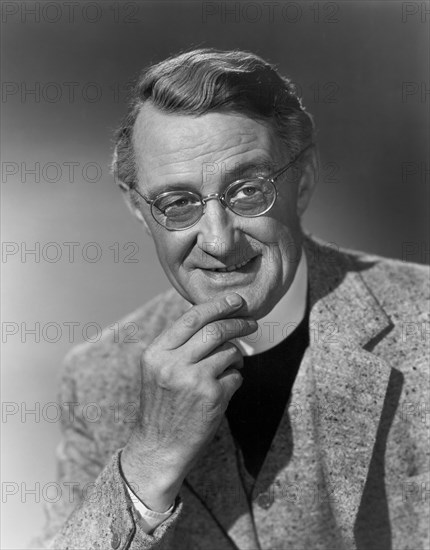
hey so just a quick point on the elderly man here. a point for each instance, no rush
(279, 400)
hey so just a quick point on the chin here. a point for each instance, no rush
(255, 307)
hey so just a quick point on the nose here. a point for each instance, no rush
(217, 234)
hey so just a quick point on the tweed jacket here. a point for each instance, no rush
(347, 468)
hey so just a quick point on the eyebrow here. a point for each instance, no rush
(229, 176)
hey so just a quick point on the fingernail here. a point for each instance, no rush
(234, 300)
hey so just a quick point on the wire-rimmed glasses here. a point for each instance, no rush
(247, 197)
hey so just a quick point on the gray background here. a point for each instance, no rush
(361, 67)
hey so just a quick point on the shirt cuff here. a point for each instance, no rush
(150, 519)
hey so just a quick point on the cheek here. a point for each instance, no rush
(288, 228)
(285, 210)
(277, 229)
(164, 248)
(170, 251)
(282, 242)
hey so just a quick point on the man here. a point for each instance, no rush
(279, 398)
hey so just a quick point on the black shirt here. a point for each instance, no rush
(255, 410)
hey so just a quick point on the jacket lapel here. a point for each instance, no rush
(349, 386)
(349, 382)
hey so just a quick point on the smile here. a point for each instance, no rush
(242, 273)
(232, 267)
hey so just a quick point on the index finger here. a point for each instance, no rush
(197, 317)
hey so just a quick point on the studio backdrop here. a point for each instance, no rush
(73, 258)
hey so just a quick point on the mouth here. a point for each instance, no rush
(236, 267)
(234, 271)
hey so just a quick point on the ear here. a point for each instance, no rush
(308, 180)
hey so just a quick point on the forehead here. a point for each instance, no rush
(168, 144)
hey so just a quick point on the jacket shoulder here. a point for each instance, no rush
(390, 280)
(399, 286)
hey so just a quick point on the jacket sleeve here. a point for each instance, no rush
(94, 509)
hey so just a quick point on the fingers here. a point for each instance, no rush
(196, 318)
(230, 381)
(225, 356)
(215, 334)
(223, 364)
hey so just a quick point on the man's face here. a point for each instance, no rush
(204, 154)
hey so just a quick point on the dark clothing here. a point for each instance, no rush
(256, 409)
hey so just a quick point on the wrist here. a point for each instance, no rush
(155, 488)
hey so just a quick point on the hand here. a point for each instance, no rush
(189, 374)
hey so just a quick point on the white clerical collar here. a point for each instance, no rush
(283, 319)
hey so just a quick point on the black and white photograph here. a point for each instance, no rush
(215, 275)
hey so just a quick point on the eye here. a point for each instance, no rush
(174, 203)
(179, 203)
(176, 207)
(247, 191)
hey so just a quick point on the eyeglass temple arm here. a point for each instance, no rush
(126, 187)
(149, 201)
(295, 159)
